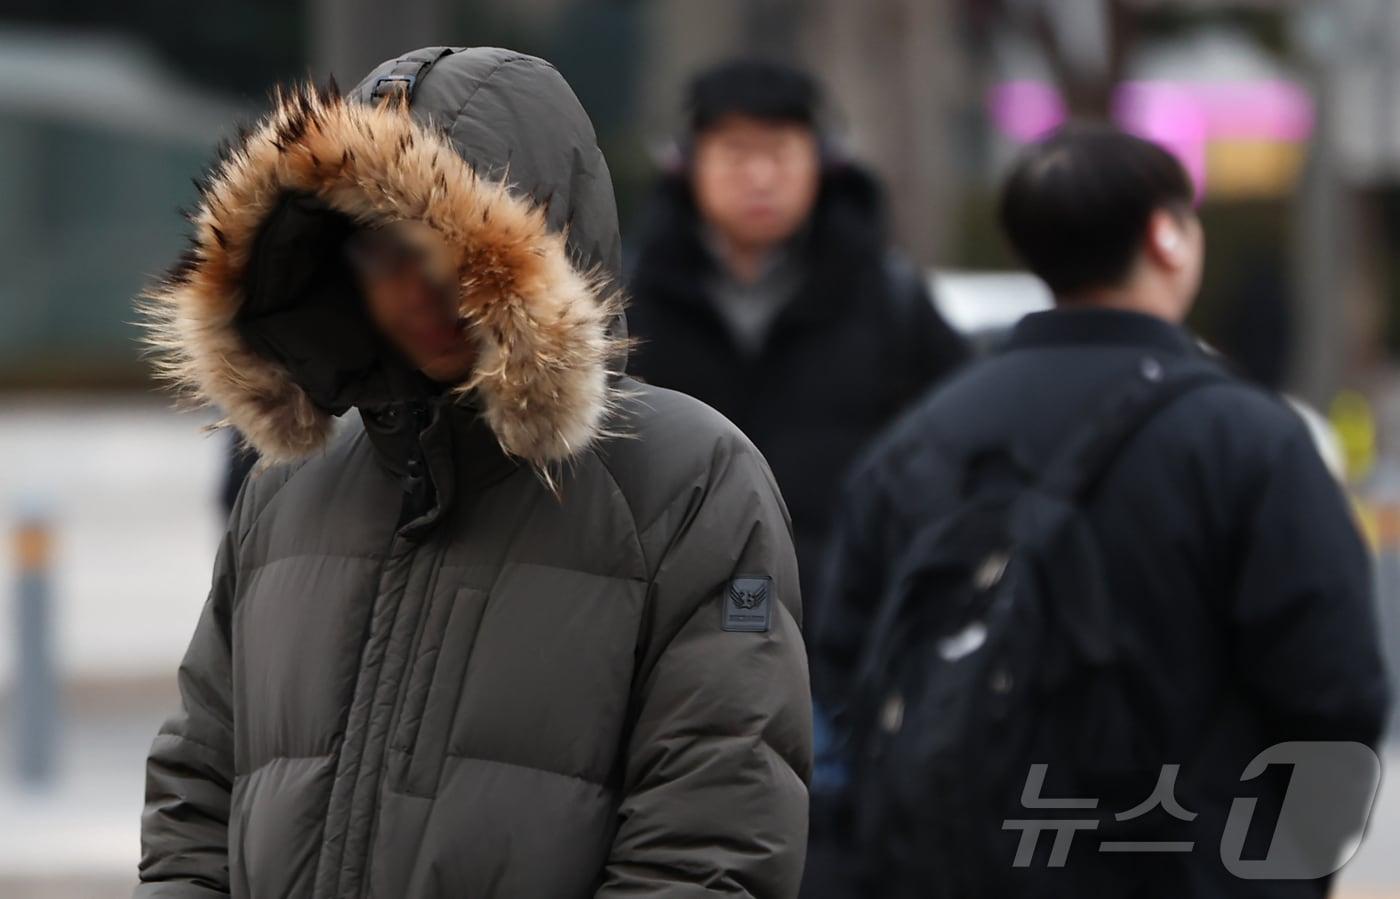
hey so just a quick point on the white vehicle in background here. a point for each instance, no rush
(983, 306)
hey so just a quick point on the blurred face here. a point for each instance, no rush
(756, 181)
(414, 311)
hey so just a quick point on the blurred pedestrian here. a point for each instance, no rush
(765, 286)
(1096, 552)
(471, 644)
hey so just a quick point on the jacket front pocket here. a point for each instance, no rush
(434, 684)
(549, 682)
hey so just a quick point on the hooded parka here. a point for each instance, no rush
(532, 635)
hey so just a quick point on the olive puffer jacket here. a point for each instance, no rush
(533, 635)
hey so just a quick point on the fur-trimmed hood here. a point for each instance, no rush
(495, 157)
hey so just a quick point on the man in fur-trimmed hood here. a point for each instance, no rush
(527, 628)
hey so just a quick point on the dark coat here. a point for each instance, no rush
(859, 342)
(534, 635)
(1244, 588)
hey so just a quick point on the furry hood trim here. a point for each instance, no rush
(542, 325)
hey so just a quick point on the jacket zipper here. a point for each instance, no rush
(418, 419)
(414, 485)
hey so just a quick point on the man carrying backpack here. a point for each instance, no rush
(1081, 587)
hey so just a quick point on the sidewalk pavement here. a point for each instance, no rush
(79, 837)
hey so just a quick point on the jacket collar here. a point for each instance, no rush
(1100, 327)
(458, 447)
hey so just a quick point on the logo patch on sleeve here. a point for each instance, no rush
(748, 606)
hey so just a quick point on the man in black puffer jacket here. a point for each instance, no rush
(764, 285)
(525, 628)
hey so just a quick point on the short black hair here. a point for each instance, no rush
(757, 88)
(1077, 203)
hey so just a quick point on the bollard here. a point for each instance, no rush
(36, 683)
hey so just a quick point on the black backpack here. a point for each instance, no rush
(993, 650)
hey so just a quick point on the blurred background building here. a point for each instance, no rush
(1286, 113)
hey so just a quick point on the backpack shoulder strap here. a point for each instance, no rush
(1082, 461)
